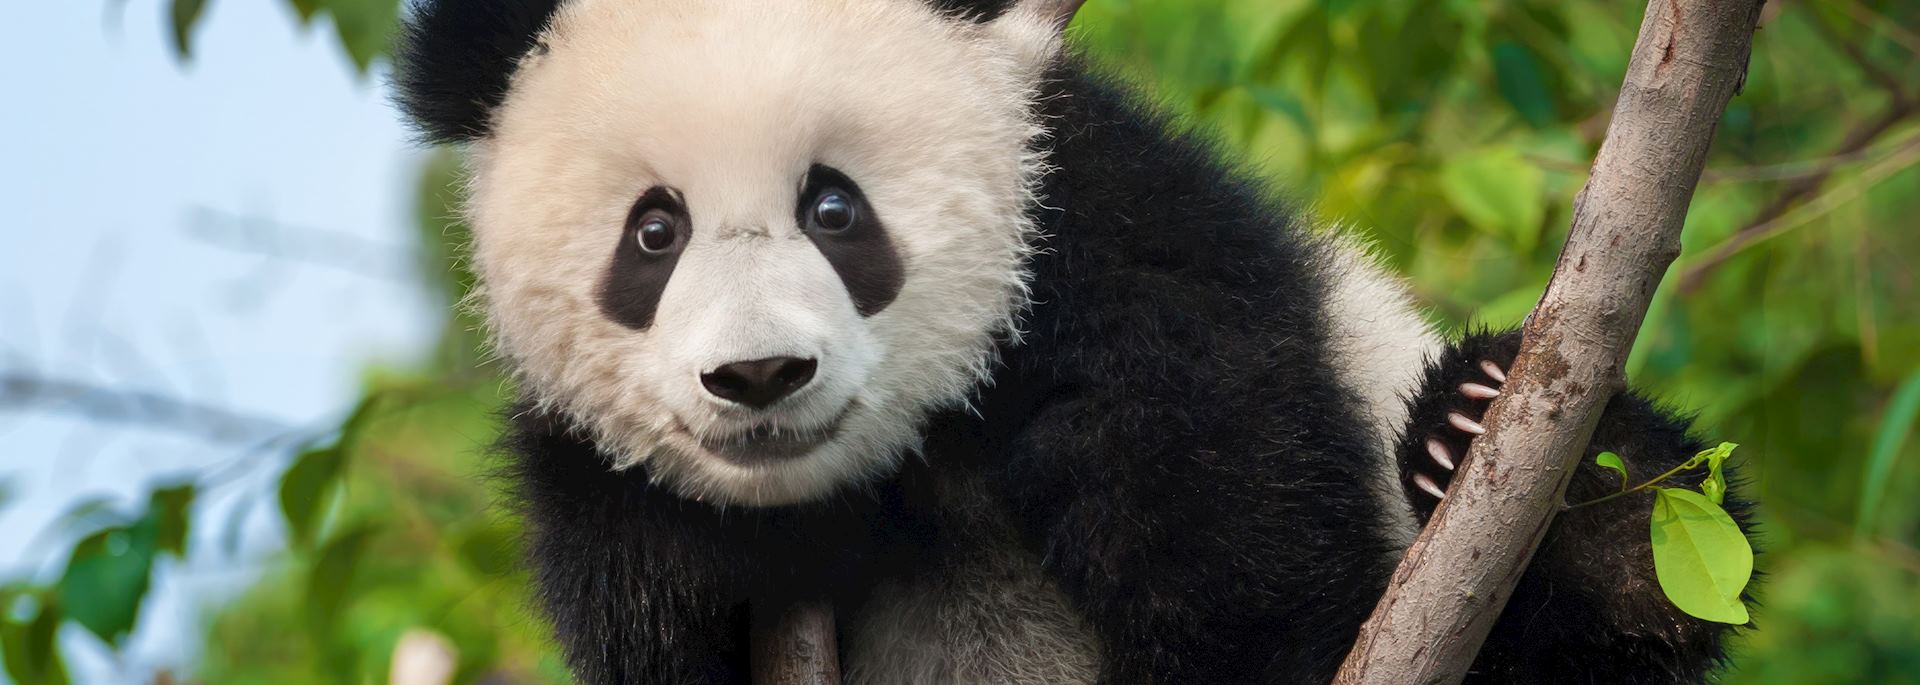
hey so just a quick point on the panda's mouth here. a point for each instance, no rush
(771, 441)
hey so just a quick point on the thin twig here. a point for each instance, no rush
(1788, 171)
(1888, 81)
(1637, 488)
(302, 245)
(19, 391)
(1777, 171)
(1800, 189)
(1895, 32)
(1863, 302)
(1696, 271)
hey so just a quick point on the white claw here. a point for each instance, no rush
(1463, 423)
(1478, 391)
(1425, 483)
(1439, 453)
(1494, 372)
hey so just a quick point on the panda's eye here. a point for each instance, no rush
(655, 232)
(832, 211)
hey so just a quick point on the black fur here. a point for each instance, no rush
(646, 587)
(455, 58)
(1176, 454)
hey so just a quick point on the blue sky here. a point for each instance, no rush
(116, 164)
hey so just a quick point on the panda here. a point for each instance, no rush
(904, 306)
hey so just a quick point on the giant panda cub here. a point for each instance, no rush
(900, 305)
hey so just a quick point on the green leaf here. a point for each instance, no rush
(171, 508)
(1700, 556)
(1426, 42)
(1517, 72)
(1285, 104)
(1715, 486)
(106, 578)
(1888, 440)
(1498, 192)
(186, 15)
(356, 423)
(30, 649)
(305, 8)
(1715, 455)
(43, 645)
(1305, 46)
(304, 490)
(332, 576)
(1612, 461)
(490, 548)
(365, 27)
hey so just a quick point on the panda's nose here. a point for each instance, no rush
(760, 382)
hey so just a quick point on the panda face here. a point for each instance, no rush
(751, 244)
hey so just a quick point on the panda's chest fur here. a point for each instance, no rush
(979, 609)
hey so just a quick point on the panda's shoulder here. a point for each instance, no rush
(1139, 194)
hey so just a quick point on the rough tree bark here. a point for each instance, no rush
(1689, 60)
(797, 646)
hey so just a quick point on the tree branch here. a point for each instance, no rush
(217, 424)
(795, 646)
(311, 246)
(1689, 60)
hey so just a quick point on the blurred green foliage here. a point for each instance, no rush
(1456, 133)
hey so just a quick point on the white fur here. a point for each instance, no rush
(729, 102)
(1380, 348)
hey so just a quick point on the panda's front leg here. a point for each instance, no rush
(641, 586)
(1589, 605)
(1446, 417)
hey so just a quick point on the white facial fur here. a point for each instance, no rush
(729, 102)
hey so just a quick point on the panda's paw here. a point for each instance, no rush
(1429, 469)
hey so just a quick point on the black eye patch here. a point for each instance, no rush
(650, 243)
(846, 229)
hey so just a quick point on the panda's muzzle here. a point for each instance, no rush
(772, 442)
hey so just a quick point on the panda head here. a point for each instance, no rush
(748, 244)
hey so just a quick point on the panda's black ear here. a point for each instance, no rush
(977, 10)
(455, 58)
